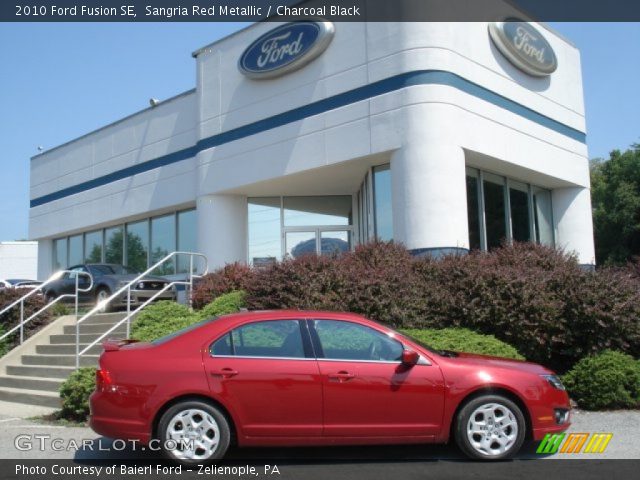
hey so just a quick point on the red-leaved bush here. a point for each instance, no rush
(533, 297)
(11, 318)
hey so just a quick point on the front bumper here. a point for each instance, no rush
(138, 297)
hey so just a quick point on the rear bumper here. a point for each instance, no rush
(105, 420)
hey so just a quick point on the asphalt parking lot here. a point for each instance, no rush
(624, 425)
(350, 463)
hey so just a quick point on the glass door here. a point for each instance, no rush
(318, 241)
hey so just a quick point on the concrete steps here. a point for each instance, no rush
(35, 375)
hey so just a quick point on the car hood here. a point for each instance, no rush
(132, 276)
(473, 359)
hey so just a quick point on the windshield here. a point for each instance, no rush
(171, 336)
(108, 269)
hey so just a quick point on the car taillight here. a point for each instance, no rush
(103, 380)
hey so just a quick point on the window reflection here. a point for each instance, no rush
(382, 202)
(114, 245)
(137, 245)
(93, 247)
(543, 216)
(75, 250)
(60, 254)
(163, 242)
(264, 230)
(520, 221)
(473, 209)
(320, 211)
(187, 232)
(494, 210)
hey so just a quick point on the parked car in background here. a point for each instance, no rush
(295, 378)
(107, 279)
(19, 283)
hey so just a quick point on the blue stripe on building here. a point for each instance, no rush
(387, 85)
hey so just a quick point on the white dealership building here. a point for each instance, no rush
(315, 137)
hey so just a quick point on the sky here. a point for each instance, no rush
(59, 81)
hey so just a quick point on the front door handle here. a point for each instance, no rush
(224, 373)
(341, 376)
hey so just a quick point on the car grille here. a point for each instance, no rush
(151, 285)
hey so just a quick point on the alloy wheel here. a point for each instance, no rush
(492, 429)
(196, 434)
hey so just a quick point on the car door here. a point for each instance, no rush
(266, 371)
(367, 391)
(83, 282)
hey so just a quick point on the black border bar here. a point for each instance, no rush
(333, 10)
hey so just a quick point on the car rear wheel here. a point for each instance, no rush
(101, 296)
(194, 432)
(490, 427)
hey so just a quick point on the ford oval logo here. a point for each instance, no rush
(285, 48)
(524, 46)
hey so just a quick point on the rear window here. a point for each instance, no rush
(176, 334)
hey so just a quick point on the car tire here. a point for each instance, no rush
(490, 427)
(49, 297)
(102, 294)
(201, 423)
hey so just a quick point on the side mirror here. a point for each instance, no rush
(410, 357)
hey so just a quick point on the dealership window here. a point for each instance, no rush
(296, 226)
(163, 242)
(93, 247)
(60, 254)
(187, 239)
(265, 246)
(502, 209)
(75, 255)
(382, 202)
(114, 245)
(137, 245)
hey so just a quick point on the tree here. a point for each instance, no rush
(615, 190)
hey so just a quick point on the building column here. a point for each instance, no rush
(222, 228)
(429, 193)
(573, 223)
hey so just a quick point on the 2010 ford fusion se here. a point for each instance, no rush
(294, 378)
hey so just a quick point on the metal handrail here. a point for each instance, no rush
(51, 279)
(127, 288)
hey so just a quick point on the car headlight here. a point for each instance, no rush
(554, 381)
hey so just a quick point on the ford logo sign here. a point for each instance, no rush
(524, 46)
(285, 48)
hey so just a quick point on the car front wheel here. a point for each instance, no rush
(194, 432)
(490, 427)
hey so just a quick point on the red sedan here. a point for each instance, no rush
(317, 378)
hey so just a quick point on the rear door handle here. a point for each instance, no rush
(341, 376)
(224, 373)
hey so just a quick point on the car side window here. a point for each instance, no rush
(273, 338)
(341, 340)
(74, 272)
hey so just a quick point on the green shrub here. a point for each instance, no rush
(228, 303)
(464, 340)
(161, 328)
(607, 380)
(4, 347)
(75, 393)
(60, 309)
(159, 312)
